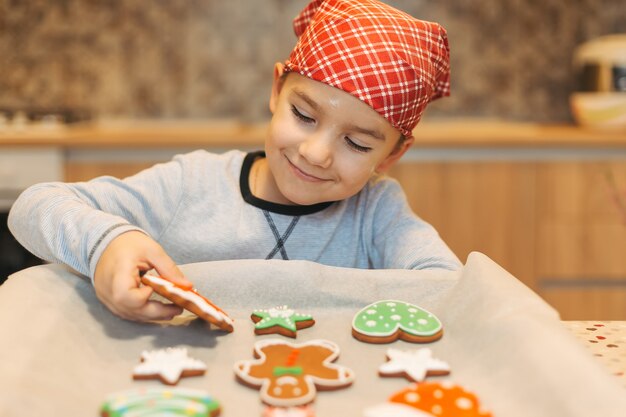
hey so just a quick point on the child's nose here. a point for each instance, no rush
(317, 150)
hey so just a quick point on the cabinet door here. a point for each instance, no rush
(581, 232)
(84, 171)
(487, 207)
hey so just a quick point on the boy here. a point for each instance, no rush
(343, 109)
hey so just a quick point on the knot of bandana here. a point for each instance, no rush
(386, 58)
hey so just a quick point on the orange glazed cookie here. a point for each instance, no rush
(191, 300)
(429, 399)
(290, 374)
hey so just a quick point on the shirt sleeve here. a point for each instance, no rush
(73, 223)
(400, 239)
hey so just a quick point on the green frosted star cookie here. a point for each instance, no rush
(389, 320)
(281, 320)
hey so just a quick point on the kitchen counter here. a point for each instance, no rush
(233, 134)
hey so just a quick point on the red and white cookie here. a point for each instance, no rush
(429, 399)
(415, 365)
(168, 365)
(299, 411)
(290, 374)
(191, 300)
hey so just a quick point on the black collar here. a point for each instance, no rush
(244, 186)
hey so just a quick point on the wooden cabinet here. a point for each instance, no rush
(540, 200)
(581, 238)
(554, 225)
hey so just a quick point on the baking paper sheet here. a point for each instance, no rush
(62, 352)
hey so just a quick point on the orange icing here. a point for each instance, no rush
(441, 400)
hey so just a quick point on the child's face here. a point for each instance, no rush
(324, 144)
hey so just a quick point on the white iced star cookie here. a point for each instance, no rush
(168, 365)
(414, 365)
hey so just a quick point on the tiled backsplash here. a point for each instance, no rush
(214, 58)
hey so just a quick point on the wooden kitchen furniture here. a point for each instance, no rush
(548, 203)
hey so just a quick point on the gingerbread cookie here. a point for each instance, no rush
(414, 365)
(168, 365)
(389, 320)
(160, 401)
(290, 374)
(281, 320)
(191, 300)
(430, 399)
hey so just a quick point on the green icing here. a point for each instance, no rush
(279, 316)
(384, 318)
(160, 401)
(287, 370)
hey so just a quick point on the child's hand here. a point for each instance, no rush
(117, 279)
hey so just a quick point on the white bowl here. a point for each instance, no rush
(599, 109)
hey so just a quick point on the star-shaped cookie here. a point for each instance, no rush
(414, 365)
(281, 320)
(168, 365)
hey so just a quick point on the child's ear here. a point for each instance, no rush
(388, 162)
(277, 85)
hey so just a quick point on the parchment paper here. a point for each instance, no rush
(62, 352)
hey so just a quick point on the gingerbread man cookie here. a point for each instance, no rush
(169, 365)
(414, 365)
(281, 320)
(160, 401)
(389, 320)
(430, 400)
(191, 300)
(289, 374)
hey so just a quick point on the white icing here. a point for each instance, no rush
(371, 311)
(416, 363)
(395, 317)
(436, 410)
(190, 296)
(370, 323)
(412, 397)
(168, 363)
(464, 403)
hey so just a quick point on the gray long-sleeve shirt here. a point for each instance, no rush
(199, 208)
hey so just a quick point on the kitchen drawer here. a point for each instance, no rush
(20, 168)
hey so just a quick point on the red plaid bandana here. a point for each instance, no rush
(386, 58)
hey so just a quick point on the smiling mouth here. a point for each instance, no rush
(304, 175)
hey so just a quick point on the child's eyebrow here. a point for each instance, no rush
(371, 132)
(306, 98)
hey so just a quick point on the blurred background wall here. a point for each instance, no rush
(214, 58)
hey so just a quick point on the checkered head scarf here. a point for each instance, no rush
(386, 58)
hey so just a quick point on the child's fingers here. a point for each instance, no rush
(168, 269)
(155, 310)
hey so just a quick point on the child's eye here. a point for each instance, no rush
(356, 146)
(301, 116)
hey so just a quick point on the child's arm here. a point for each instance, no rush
(401, 239)
(105, 225)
